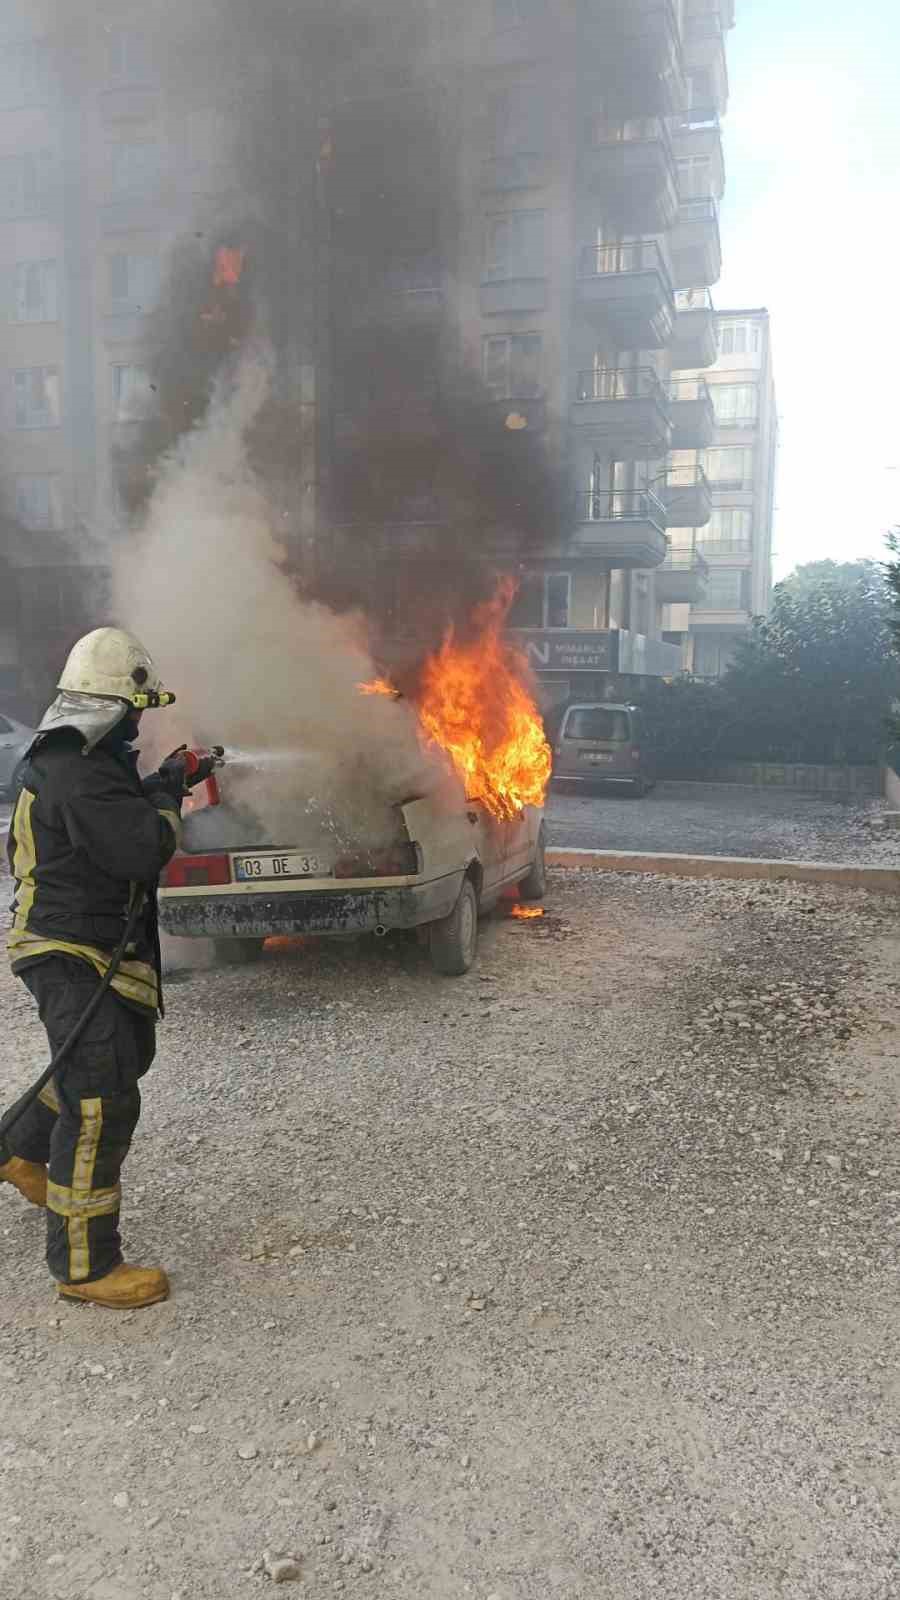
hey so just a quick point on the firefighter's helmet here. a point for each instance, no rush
(109, 661)
(107, 674)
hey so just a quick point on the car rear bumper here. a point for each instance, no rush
(250, 916)
(596, 775)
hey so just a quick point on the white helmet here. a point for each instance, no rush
(110, 661)
(107, 673)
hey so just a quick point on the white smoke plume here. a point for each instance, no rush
(255, 666)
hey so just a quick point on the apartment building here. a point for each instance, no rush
(733, 549)
(544, 210)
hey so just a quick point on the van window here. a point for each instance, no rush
(597, 722)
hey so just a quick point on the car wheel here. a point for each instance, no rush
(534, 886)
(237, 952)
(453, 940)
(638, 789)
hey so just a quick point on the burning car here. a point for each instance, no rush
(433, 857)
(444, 868)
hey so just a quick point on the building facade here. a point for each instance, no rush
(555, 233)
(735, 545)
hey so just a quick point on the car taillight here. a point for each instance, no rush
(400, 861)
(196, 872)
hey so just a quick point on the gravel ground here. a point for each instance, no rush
(724, 820)
(575, 1277)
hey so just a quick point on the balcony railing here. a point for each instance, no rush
(682, 390)
(635, 130)
(684, 558)
(620, 383)
(683, 477)
(636, 255)
(693, 300)
(620, 505)
(704, 208)
(725, 547)
(700, 119)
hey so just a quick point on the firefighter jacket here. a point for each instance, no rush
(84, 839)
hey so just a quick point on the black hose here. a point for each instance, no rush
(17, 1111)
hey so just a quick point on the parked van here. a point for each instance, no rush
(599, 743)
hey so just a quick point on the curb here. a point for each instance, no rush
(847, 875)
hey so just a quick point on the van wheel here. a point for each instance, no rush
(453, 940)
(534, 886)
(237, 952)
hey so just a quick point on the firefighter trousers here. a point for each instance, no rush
(83, 1121)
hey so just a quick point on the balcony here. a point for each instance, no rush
(691, 413)
(697, 134)
(632, 50)
(624, 527)
(622, 412)
(732, 552)
(680, 578)
(695, 342)
(625, 290)
(694, 244)
(704, 52)
(685, 495)
(630, 167)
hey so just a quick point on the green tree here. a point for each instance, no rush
(817, 678)
(810, 575)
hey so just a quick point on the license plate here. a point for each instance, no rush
(250, 869)
(595, 757)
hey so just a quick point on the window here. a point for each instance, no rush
(35, 291)
(512, 366)
(39, 500)
(695, 178)
(597, 722)
(725, 589)
(36, 391)
(513, 13)
(517, 121)
(25, 78)
(514, 246)
(735, 404)
(25, 183)
(729, 527)
(712, 654)
(135, 166)
(544, 600)
(739, 338)
(128, 55)
(701, 92)
(135, 280)
(729, 468)
(133, 395)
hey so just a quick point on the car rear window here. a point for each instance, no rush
(597, 722)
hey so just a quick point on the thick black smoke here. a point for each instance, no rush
(341, 126)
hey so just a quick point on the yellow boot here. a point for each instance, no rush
(29, 1177)
(123, 1289)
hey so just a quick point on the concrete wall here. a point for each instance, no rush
(861, 782)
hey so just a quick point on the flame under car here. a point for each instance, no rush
(441, 870)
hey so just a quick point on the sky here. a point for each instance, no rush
(811, 229)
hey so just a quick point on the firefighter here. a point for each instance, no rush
(87, 838)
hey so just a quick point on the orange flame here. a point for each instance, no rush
(473, 701)
(525, 913)
(229, 265)
(379, 686)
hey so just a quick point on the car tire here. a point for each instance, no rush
(534, 886)
(638, 789)
(237, 952)
(453, 940)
